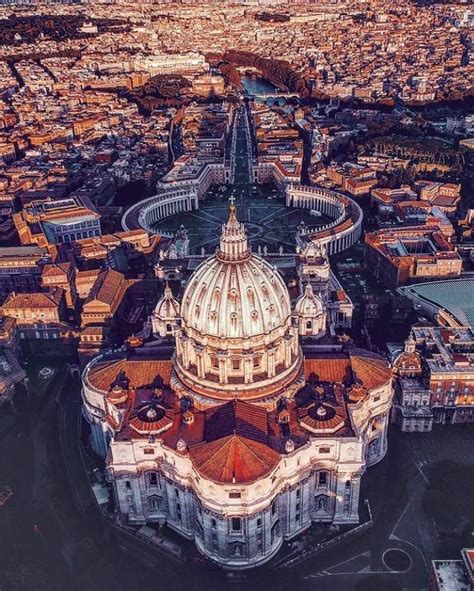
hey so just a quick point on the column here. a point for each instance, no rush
(201, 370)
(248, 367)
(185, 351)
(271, 362)
(288, 343)
(222, 359)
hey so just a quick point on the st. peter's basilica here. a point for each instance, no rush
(260, 420)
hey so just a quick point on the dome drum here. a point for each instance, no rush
(210, 389)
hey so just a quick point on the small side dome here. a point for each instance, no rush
(188, 417)
(165, 317)
(356, 393)
(181, 446)
(309, 305)
(134, 342)
(167, 307)
(310, 314)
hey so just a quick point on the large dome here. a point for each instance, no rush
(235, 299)
(236, 336)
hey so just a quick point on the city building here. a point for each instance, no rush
(100, 316)
(42, 320)
(434, 378)
(410, 253)
(53, 222)
(20, 269)
(453, 575)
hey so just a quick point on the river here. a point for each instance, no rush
(258, 85)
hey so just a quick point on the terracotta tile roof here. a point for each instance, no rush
(329, 368)
(234, 460)
(366, 368)
(140, 373)
(87, 274)
(105, 287)
(370, 370)
(56, 269)
(192, 433)
(34, 300)
(94, 330)
(238, 418)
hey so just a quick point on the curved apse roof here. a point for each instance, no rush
(455, 295)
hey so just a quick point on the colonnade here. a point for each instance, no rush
(166, 207)
(346, 227)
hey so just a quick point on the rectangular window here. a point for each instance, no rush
(323, 479)
(236, 524)
(213, 524)
(236, 364)
(148, 451)
(153, 479)
(234, 495)
(259, 522)
(324, 450)
(128, 485)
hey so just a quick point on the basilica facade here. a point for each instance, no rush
(261, 422)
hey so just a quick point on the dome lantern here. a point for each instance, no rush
(233, 244)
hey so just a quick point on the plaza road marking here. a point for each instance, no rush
(364, 554)
(203, 214)
(398, 523)
(418, 550)
(418, 466)
(272, 215)
(346, 574)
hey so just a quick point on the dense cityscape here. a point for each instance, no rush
(237, 295)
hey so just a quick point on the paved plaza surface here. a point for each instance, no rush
(269, 223)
